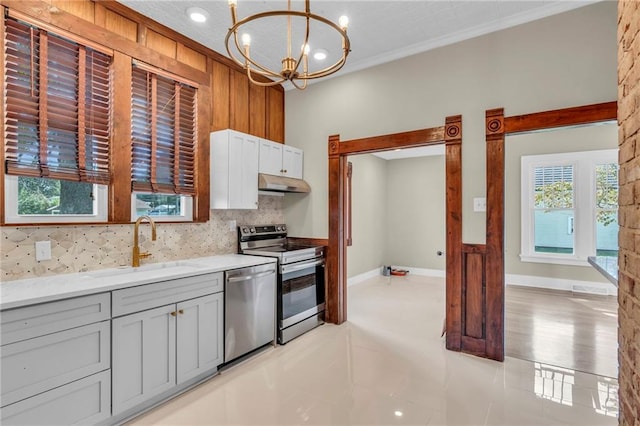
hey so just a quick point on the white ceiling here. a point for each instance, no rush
(380, 31)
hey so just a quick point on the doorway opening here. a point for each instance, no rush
(499, 126)
(450, 134)
(561, 200)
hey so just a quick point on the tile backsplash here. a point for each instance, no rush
(85, 248)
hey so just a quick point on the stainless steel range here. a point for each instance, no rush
(300, 290)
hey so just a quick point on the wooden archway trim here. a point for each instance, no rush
(449, 134)
(497, 127)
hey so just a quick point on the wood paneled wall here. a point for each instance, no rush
(226, 100)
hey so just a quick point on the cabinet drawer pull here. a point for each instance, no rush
(181, 311)
(174, 313)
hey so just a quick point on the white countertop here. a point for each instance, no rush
(30, 291)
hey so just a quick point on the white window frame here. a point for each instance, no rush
(584, 187)
(186, 207)
(100, 206)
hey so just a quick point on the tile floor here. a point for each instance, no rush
(385, 366)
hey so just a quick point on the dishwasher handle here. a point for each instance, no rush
(241, 278)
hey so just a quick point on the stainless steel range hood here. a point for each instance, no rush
(281, 184)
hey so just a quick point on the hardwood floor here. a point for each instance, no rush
(571, 330)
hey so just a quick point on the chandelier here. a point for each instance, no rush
(295, 63)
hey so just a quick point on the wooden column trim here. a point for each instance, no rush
(336, 291)
(495, 234)
(120, 147)
(453, 179)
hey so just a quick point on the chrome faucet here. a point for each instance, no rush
(136, 248)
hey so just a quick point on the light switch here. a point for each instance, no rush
(43, 250)
(480, 204)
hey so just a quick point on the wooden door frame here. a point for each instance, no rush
(497, 127)
(449, 134)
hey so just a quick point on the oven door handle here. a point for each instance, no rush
(285, 269)
(250, 277)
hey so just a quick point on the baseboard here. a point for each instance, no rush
(424, 272)
(356, 279)
(590, 287)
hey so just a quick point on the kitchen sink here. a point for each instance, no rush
(164, 267)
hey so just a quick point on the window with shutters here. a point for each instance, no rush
(163, 117)
(57, 126)
(569, 206)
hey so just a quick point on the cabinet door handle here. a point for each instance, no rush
(181, 311)
(174, 313)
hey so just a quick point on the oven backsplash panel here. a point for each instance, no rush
(85, 248)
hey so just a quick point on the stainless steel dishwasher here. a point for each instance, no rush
(249, 309)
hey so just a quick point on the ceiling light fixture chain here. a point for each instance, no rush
(290, 70)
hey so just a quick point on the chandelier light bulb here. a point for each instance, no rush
(246, 40)
(233, 2)
(306, 49)
(343, 22)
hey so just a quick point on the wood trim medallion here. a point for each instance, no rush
(497, 127)
(449, 134)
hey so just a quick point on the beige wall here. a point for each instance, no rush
(416, 210)
(566, 140)
(84, 248)
(560, 61)
(369, 200)
(398, 213)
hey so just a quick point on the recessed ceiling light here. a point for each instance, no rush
(197, 14)
(320, 54)
(398, 413)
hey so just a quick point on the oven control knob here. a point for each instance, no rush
(284, 228)
(253, 230)
(278, 228)
(245, 230)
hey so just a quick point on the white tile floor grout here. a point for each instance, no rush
(387, 365)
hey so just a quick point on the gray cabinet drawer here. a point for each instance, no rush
(37, 365)
(37, 320)
(140, 298)
(84, 402)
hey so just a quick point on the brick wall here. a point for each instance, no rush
(629, 238)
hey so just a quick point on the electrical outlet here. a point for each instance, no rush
(43, 250)
(232, 225)
(480, 204)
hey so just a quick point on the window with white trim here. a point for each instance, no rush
(164, 135)
(57, 126)
(569, 206)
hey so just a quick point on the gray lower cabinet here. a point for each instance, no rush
(156, 350)
(83, 402)
(143, 356)
(200, 340)
(54, 362)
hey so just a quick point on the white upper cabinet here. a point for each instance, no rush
(280, 160)
(270, 157)
(234, 170)
(292, 159)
